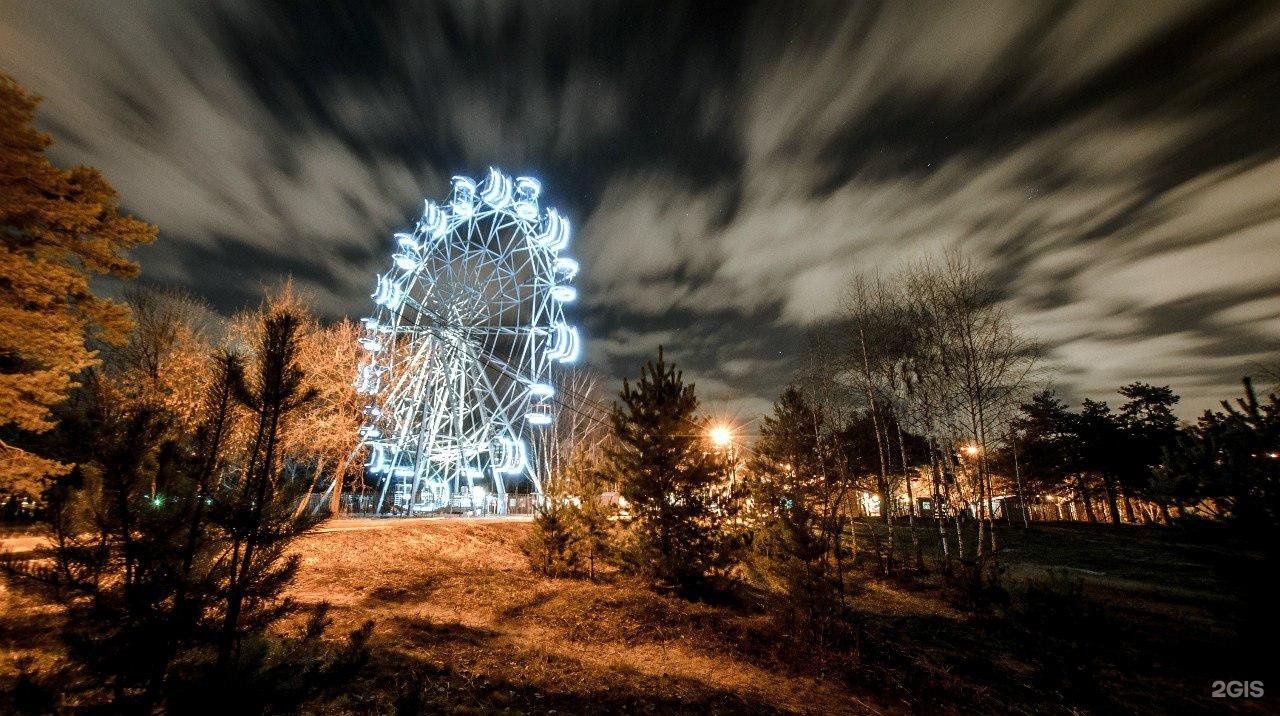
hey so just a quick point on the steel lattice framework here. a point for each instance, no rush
(468, 328)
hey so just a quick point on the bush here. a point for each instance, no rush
(573, 530)
(553, 543)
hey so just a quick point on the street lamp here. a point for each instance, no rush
(722, 439)
(971, 450)
(721, 436)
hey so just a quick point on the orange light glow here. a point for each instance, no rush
(721, 436)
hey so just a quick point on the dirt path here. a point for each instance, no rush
(22, 545)
(357, 524)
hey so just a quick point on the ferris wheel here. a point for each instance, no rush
(468, 328)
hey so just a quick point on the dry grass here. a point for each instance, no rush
(28, 635)
(457, 605)
(464, 626)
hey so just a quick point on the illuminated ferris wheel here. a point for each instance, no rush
(468, 328)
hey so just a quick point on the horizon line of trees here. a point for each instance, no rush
(926, 390)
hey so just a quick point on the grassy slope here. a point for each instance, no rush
(464, 625)
(463, 621)
(1165, 618)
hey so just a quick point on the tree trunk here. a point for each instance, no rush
(1084, 495)
(937, 500)
(1109, 486)
(1017, 476)
(315, 482)
(911, 500)
(880, 440)
(947, 490)
(906, 476)
(984, 474)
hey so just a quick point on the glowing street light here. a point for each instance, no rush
(721, 436)
(971, 450)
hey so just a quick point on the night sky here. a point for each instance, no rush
(1116, 165)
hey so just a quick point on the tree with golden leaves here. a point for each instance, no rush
(59, 226)
(324, 434)
(326, 430)
(166, 362)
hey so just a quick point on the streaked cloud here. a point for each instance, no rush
(1115, 166)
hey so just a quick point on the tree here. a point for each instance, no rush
(553, 541)
(673, 484)
(59, 227)
(1046, 442)
(581, 425)
(1229, 462)
(798, 492)
(171, 545)
(989, 362)
(115, 543)
(859, 451)
(596, 518)
(869, 308)
(1100, 448)
(165, 360)
(573, 528)
(320, 441)
(932, 351)
(1150, 429)
(928, 392)
(259, 512)
(325, 432)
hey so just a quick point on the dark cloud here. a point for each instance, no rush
(1115, 166)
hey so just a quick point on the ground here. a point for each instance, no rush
(463, 624)
(456, 602)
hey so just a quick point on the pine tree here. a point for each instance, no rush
(675, 486)
(1101, 444)
(573, 528)
(553, 545)
(259, 512)
(118, 543)
(59, 227)
(797, 495)
(1046, 442)
(1149, 427)
(595, 518)
(1229, 461)
(172, 545)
